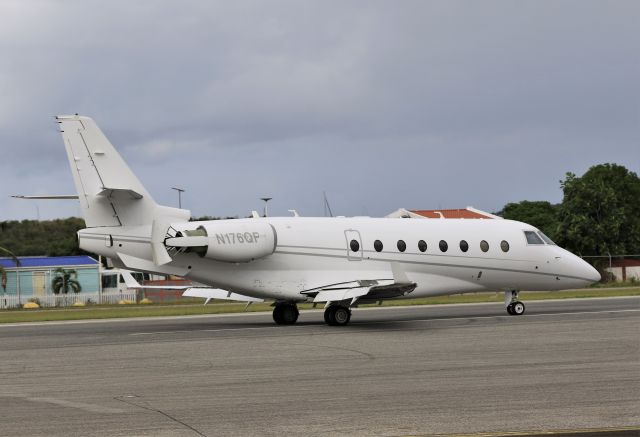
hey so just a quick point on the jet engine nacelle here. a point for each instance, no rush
(228, 241)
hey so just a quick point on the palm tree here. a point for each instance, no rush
(64, 281)
(3, 272)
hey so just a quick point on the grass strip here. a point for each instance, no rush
(155, 310)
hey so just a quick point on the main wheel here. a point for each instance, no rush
(337, 315)
(342, 315)
(329, 315)
(510, 309)
(517, 308)
(285, 314)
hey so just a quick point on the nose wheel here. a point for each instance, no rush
(285, 313)
(513, 305)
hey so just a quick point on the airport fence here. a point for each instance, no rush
(53, 301)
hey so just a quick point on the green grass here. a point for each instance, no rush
(157, 310)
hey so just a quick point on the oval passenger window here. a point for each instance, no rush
(504, 245)
(443, 246)
(484, 246)
(422, 246)
(402, 246)
(464, 246)
(377, 245)
(355, 246)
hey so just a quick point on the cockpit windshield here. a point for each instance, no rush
(546, 239)
(533, 238)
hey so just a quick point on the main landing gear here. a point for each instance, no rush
(513, 305)
(337, 315)
(285, 313)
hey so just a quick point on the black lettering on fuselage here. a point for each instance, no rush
(241, 238)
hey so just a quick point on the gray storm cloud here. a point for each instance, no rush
(381, 104)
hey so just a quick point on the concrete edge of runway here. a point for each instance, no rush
(263, 313)
(589, 432)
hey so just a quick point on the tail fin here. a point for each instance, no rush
(109, 193)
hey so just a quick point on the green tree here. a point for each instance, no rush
(600, 212)
(3, 272)
(45, 237)
(541, 214)
(65, 281)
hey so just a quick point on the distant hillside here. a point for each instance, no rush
(46, 237)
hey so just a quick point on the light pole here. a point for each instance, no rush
(180, 191)
(265, 200)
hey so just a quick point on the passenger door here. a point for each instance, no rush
(354, 245)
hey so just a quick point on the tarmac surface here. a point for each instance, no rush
(564, 365)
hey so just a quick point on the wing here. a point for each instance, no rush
(218, 293)
(190, 290)
(365, 290)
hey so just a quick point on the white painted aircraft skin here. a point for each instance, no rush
(300, 259)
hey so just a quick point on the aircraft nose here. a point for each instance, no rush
(594, 274)
(588, 272)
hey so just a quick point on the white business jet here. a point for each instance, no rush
(340, 262)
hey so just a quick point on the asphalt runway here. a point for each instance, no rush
(565, 365)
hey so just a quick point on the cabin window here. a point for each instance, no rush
(355, 246)
(504, 245)
(422, 246)
(377, 245)
(546, 239)
(464, 246)
(484, 246)
(443, 246)
(402, 246)
(533, 238)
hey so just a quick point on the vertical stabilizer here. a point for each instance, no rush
(109, 193)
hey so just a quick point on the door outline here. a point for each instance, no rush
(352, 234)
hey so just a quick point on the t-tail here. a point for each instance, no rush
(110, 195)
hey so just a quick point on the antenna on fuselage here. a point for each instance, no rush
(265, 200)
(327, 207)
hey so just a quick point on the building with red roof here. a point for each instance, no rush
(461, 213)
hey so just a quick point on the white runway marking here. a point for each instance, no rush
(91, 408)
(382, 322)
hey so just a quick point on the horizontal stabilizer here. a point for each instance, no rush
(48, 197)
(111, 192)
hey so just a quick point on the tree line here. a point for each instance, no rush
(599, 214)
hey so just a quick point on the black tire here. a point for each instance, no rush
(510, 309)
(517, 308)
(341, 316)
(277, 315)
(290, 314)
(285, 314)
(329, 314)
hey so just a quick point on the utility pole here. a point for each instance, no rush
(265, 200)
(180, 191)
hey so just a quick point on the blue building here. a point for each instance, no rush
(34, 276)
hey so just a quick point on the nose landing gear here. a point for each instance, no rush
(513, 305)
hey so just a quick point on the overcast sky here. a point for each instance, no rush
(382, 104)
